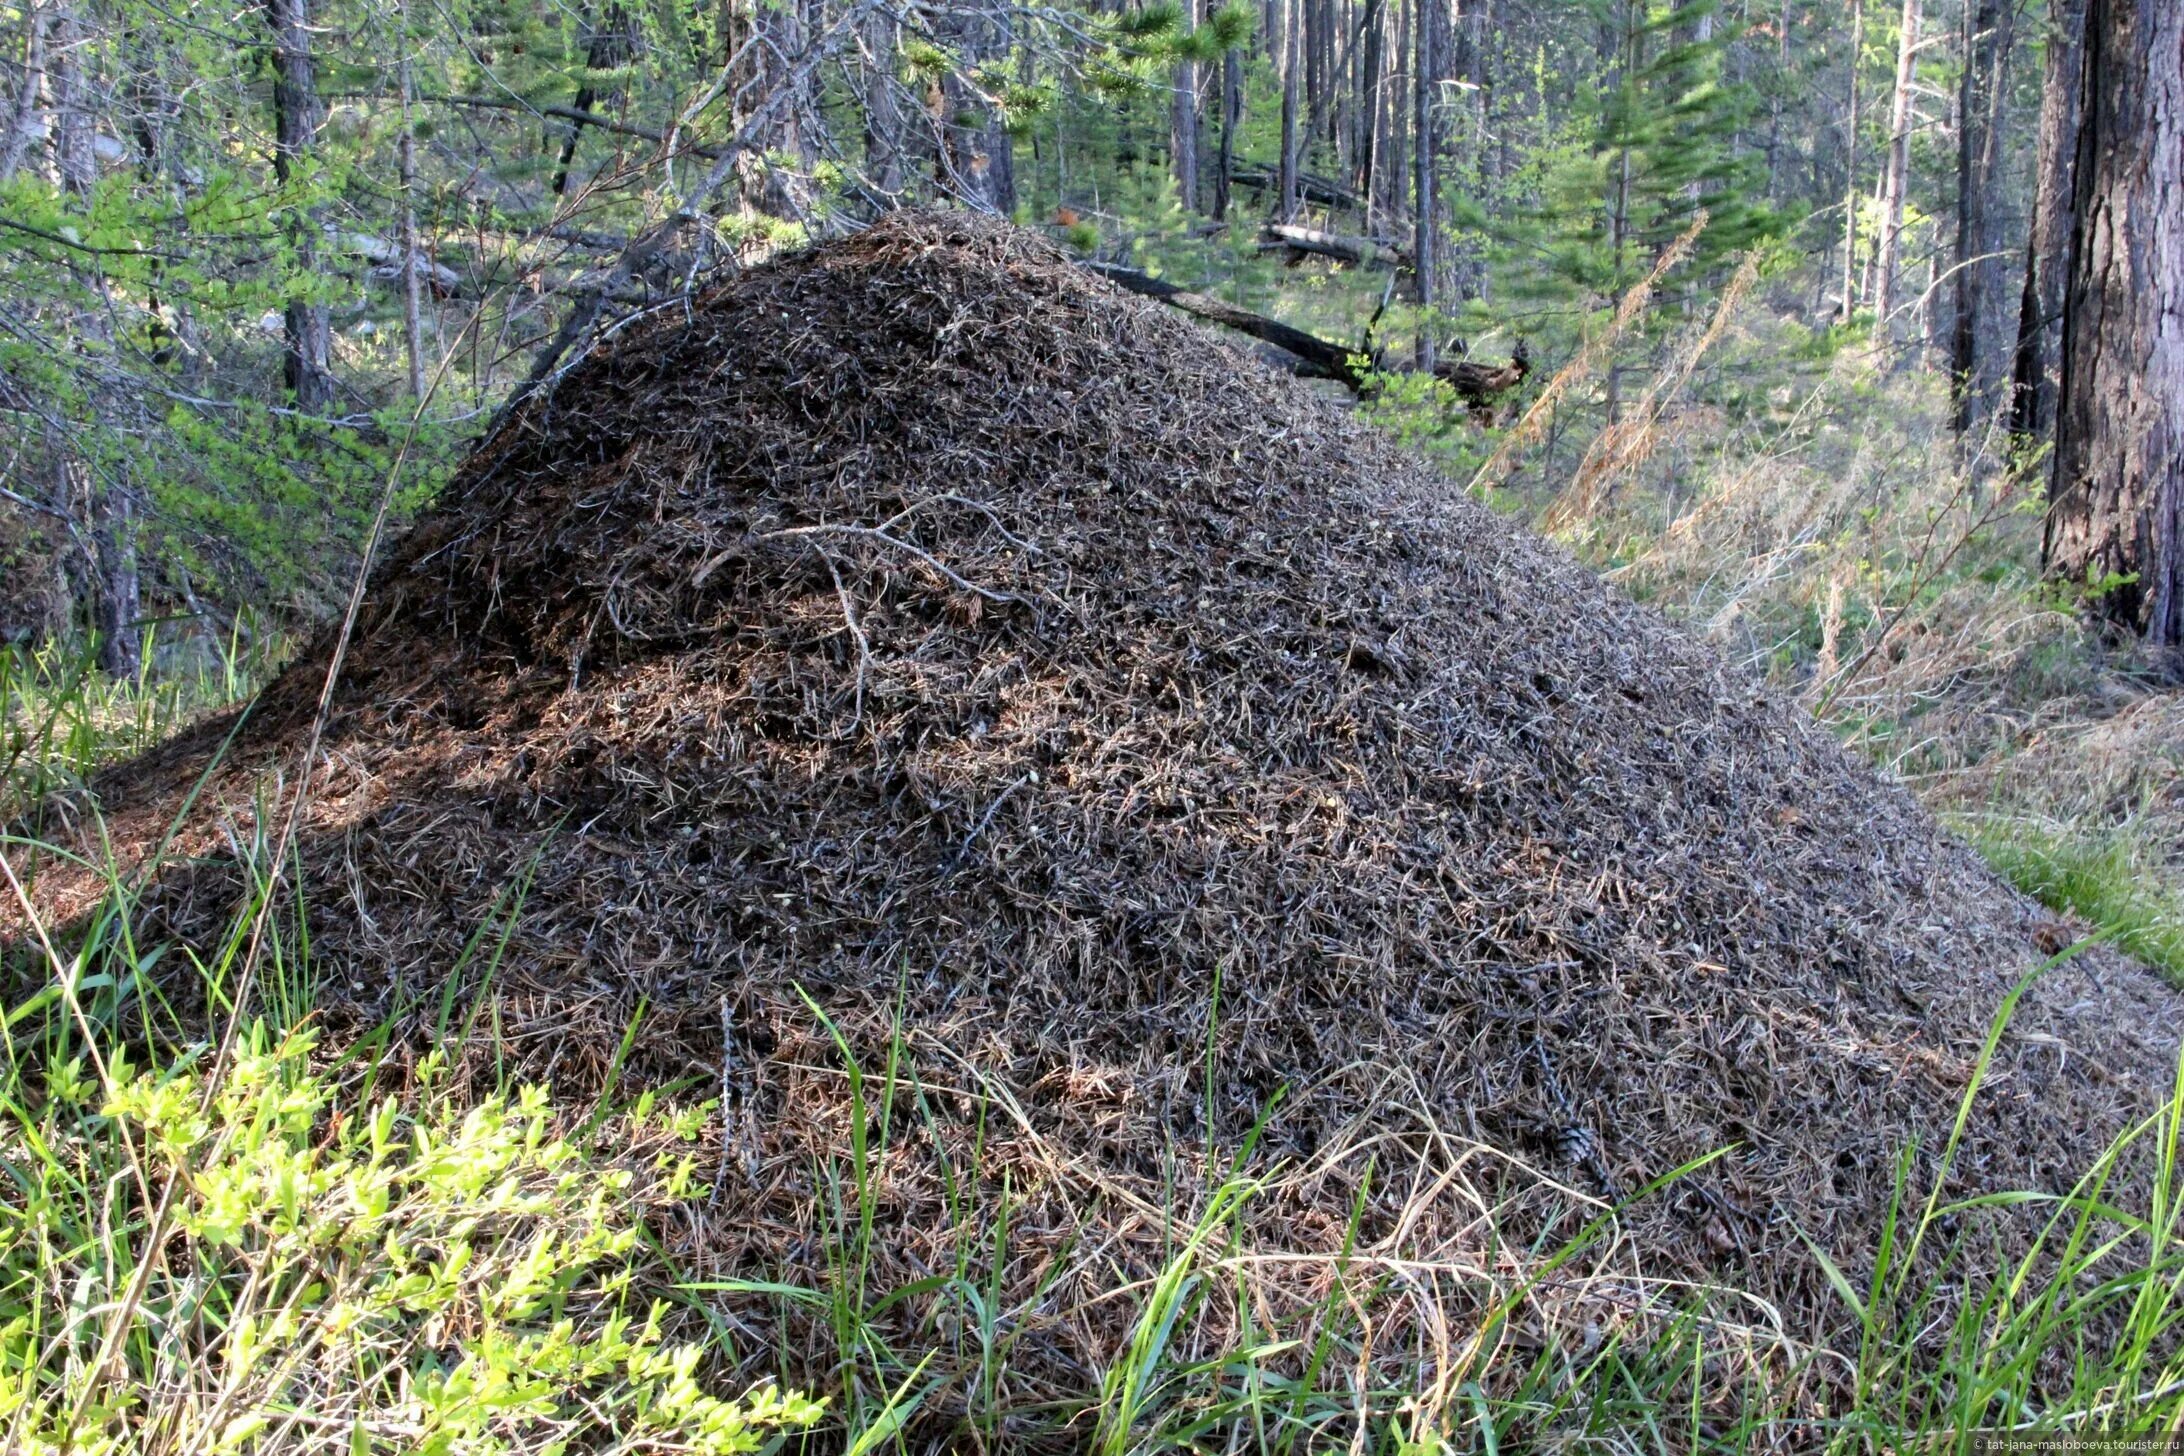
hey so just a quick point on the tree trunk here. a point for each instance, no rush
(23, 114)
(882, 106)
(1882, 286)
(1368, 103)
(1183, 143)
(1426, 231)
(1290, 80)
(2053, 230)
(1850, 163)
(776, 105)
(413, 314)
(92, 490)
(2116, 516)
(1980, 348)
(1232, 112)
(608, 48)
(297, 114)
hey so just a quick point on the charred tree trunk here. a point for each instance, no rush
(297, 115)
(2116, 516)
(2053, 231)
(606, 50)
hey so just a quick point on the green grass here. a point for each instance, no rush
(2105, 877)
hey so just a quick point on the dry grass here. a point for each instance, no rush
(1827, 531)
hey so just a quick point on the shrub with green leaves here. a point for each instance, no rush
(255, 1258)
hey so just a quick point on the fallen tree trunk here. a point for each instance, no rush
(1311, 189)
(1364, 252)
(1478, 385)
(1325, 360)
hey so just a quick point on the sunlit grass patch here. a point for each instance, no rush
(2106, 877)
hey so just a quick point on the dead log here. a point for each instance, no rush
(1363, 252)
(1312, 189)
(1321, 358)
(1477, 385)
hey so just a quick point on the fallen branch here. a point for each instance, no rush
(1310, 188)
(1478, 385)
(1322, 359)
(1363, 252)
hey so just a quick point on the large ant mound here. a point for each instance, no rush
(1131, 747)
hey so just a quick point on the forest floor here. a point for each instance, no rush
(1813, 518)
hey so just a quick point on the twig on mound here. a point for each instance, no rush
(867, 533)
(951, 499)
(985, 821)
(857, 635)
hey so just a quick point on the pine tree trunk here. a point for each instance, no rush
(1980, 349)
(1232, 112)
(413, 316)
(1895, 167)
(606, 49)
(95, 493)
(297, 114)
(2053, 229)
(1368, 103)
(774, 175)
(23, 114)
(1290, 81)
(1850, 164)
(1394, 164)
(1425, 79)
(1183, 143)
(882, 106)
(2116, 515)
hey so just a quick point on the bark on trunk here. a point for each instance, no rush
(2053, 230)
(608, 48)
(1850, 164)
(297, 114)
(1290, 142)
(1232, 113)
(413, 313)
(1881, 288)
(1368, 108)
(777, 110)
(2117, 513)
(1425, 78)
(23, 114)
(1980, 347)
(1183, 141)
(882, 107)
